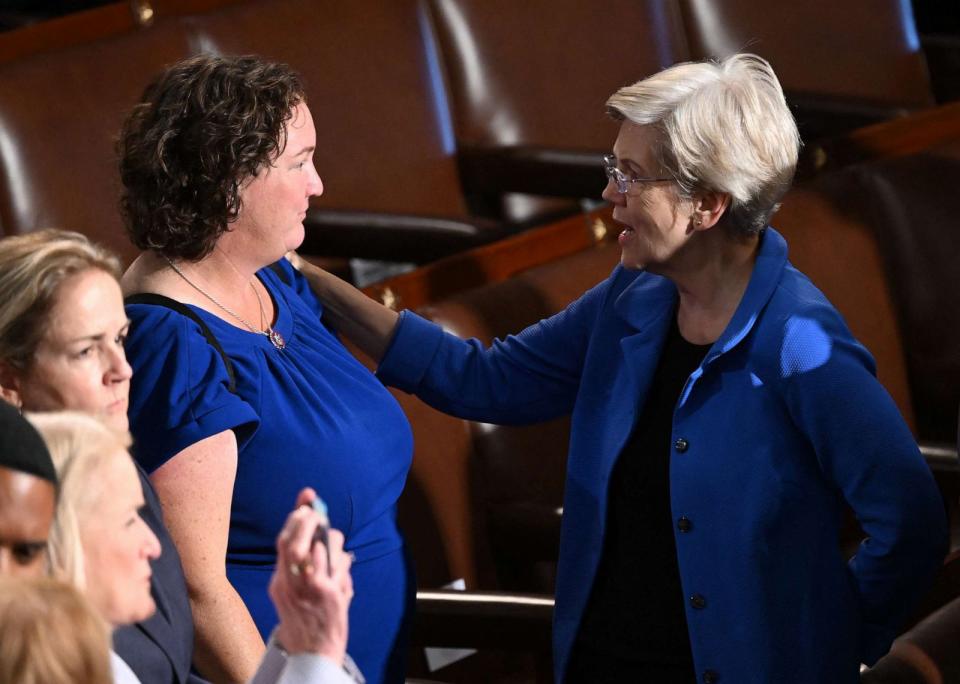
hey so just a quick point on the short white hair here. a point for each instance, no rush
(725, 127)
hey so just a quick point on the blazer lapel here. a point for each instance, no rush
(645, 306)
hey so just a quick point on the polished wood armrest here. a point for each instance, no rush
(940, 456)
(532, 170)
(484, 619)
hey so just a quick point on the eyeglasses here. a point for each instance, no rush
(622, 180)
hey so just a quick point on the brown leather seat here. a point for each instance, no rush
(901, 190)
(386, 152)
(528, 82)
(908, 202)
(842, 64)
(385, 149)
(59, 116)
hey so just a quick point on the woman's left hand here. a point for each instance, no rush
(312, 603)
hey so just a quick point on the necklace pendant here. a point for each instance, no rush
(276, 339)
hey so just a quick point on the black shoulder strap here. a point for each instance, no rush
(183, 309)
(281, 274)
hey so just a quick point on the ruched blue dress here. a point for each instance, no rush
(309, 415)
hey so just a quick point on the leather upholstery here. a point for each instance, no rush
(852, 61)
(384, 146)
(467, 482)
(380, 142)
(539, 72)
(59, 116)
(864, 50)
(907, 202)
(519, 472)
(394, 237)
(530, 79)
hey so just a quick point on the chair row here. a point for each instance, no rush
(428, 111)
(392, 187)
(528, 80)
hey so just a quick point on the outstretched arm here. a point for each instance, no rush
(365, 322)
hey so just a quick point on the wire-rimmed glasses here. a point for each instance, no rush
(622, 180)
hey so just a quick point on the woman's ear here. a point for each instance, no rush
(10, 384)
(708, 208)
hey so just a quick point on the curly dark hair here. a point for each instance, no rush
(203, 127)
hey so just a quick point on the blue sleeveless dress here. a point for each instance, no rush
(309, 415)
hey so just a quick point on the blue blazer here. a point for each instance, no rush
(782, 423)
(160, 648)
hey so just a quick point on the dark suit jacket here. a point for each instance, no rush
(160, 649)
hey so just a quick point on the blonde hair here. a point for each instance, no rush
(725, 127)
(50, 634)
(32, 268)
(81, 446)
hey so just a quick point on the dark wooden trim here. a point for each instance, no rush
(495, 262)
(91, 25)
(898, 137)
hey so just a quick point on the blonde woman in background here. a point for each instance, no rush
(50, 634)
(100, 544)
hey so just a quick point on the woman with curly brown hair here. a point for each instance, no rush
(241, 396)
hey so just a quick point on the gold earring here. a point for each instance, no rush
(697, 221)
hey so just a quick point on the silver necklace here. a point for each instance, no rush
(276, 339)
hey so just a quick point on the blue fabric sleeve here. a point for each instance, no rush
(179, 391)
(524, 378)
(866, 449)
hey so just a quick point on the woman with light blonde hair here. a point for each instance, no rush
(99, 543)
(58, 289)
(50, 634)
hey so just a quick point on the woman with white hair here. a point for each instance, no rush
(100, 544)
(723, 414)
